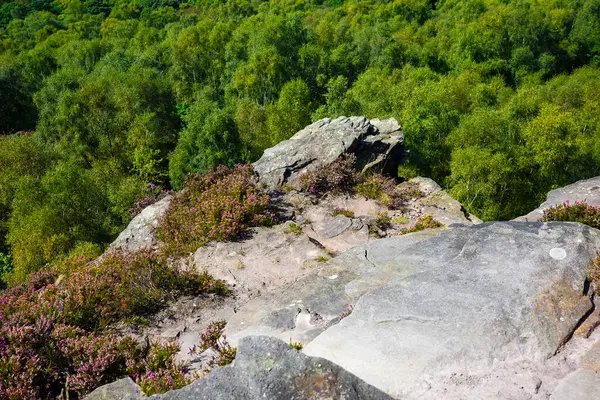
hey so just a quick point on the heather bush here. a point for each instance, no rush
(158, 372)
(151, 195)
(337, 177)
(127, 284)
(220, 205)
(577, 212)
(426, 222)
(54, 330)
(40, 354)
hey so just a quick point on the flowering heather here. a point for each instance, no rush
(337, 177)
(212, 338)
(577, 212)
(347, 312)
(151, 195)
(220, 205)
(158, 372)
(53, 330)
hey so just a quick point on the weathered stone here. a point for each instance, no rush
(267, 368)
(139, 233)
(587, 190)
(334, 226)
(472, 296)
(324, 141)
(437, 203)
(123, 389)
(428, 304)
(384, 151)
(581, 384)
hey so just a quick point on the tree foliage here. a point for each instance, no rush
(499, 99)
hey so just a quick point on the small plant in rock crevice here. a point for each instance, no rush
(213, 338)
(380, 224)
(294, 229)
(342, 211)
(426, 222)
(346, 312)
(296, 345)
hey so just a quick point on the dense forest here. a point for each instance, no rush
(103, 102)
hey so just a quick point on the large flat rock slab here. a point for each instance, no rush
(587, 190)
(470, 312)
(465, 300)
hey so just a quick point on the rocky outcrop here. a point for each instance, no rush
(377, 145)
(267, 368)
(139, 233)
(438, 203)
(498, 310)
(587, 190)
(451, 313)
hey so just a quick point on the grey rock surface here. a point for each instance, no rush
(584, 382)
(377, 145)
(268, 368)
(438, 203)
(139, 233)
(441, 313)
(587, 190)
(123, 389)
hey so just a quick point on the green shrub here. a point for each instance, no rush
(5, 269)
(294, 228)
(343, 211)
(426, 222)
(385, 190)
(220, 205)
(377, 187)
(577, 212)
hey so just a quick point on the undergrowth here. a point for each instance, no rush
(426, 222)
(219, 205)
(55, 331)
